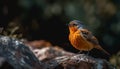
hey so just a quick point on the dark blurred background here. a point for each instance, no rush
(47, 19)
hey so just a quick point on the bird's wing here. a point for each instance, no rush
(88, 36)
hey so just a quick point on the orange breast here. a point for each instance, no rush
(79, 42)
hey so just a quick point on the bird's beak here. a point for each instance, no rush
(70, 25)
(67, 24)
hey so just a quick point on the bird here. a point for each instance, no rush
(81, 38)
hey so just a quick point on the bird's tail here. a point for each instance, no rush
(100, 48)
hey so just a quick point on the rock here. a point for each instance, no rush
(57, 58)
(20, 56)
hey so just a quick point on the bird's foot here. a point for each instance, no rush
(80, 52)
(88, 53)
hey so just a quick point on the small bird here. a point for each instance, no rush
(81, 38)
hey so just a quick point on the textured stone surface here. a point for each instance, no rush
(17, 54)
(20, 56)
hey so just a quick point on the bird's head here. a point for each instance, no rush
(75, 25)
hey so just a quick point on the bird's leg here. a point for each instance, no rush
(88, 53)
(80, 52)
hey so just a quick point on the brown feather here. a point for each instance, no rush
(100, 48)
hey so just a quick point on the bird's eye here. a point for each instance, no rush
(84, 32)
(74, 24)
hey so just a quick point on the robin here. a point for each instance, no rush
(81, 38)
